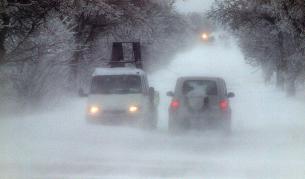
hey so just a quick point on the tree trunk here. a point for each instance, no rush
(281, 64)
(77, 54)
(3, 34)
(280, 79)
(291, 85)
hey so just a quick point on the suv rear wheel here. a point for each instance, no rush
(227, 127)
(151, 121)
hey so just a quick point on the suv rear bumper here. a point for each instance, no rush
(217, 119)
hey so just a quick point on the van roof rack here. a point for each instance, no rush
(117, 56)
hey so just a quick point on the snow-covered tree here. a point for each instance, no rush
(99, 23)
(270, 33)
(48, 46)
(18, 20)
(44, 75)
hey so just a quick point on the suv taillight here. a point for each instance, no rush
(175, 104)
(224, 105)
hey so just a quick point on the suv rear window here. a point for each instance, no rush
(201, 87)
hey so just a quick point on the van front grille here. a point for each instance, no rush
(115, 112)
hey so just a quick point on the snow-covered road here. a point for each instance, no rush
(267, 141)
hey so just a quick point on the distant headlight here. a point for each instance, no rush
(205, 36)
(133, 109)
(94, 110)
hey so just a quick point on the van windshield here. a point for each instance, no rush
(116, 84)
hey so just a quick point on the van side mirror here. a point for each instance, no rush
(82, 94)
(170, 94)
(230, 95)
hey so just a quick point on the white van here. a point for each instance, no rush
(122, 95)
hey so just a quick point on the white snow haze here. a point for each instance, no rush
(186, 6)
(267, 139)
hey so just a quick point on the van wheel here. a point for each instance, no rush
(151, 122)
(150, 125)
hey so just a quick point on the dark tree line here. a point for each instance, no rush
(18, 20)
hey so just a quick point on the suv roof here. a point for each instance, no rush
(118, 71)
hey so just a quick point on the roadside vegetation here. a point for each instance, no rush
(48, 48)
(271, 35)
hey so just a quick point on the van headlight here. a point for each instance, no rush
(94, 110)
(133, 109)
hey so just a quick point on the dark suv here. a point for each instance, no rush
(200, 102)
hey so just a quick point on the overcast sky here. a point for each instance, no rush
(186, 6)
